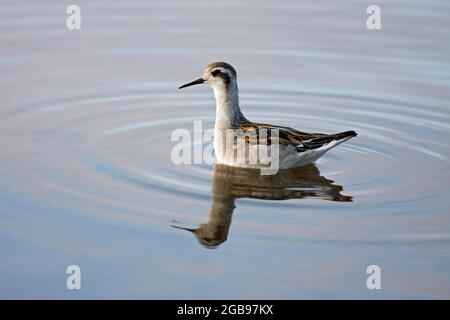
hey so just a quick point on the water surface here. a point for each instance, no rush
(86, 176)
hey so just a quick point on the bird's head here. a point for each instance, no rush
(217, 75)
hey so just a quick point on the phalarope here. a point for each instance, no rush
(296, 148)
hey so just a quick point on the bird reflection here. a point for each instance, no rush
(231, 183)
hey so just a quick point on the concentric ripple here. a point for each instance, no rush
(86, 176)
(112, 155)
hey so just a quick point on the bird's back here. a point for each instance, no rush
(243, 145)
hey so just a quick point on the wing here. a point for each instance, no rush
(303, 141)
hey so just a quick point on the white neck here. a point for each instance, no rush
(228, 113)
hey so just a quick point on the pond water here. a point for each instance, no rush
(86, 176)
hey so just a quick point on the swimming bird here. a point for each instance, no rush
(295, 148)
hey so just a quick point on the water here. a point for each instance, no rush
(86, 177)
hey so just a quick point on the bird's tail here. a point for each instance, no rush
(334, 137)
(325, 139)
(344, 135)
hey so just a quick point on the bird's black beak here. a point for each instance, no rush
(198, 81)
(183, 228)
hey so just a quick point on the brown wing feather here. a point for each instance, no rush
(301, 140)
(286, 135)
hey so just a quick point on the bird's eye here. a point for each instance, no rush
(215, 72)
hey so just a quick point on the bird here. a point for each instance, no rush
(295, 148)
